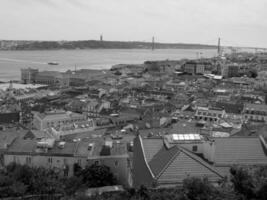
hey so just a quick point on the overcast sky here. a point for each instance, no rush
(237, 22)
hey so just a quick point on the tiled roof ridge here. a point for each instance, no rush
(199, 160)
(170, 161)
(238, 137)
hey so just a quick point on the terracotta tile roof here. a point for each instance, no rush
(23, 146)
(151, 147)
(235, 108)
(223, 170)
(184, 127)
(260, 107)
(172, 165)
(7, 137)
(252, 129)
(239, 150)
(162, 158)
(187, 164)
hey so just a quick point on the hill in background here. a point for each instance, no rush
(94, 44)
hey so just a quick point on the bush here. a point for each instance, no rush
(97, 176)
(17, 180)
(242, 182)
(198, 189)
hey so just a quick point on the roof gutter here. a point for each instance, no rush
(263, 142)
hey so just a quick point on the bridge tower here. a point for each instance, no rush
(153, 43)
(219, 47)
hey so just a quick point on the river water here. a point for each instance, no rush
(12, 61)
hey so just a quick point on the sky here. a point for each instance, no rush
(237, 22)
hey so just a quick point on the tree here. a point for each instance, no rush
(30, 180)
(252, 73)
(45, 181)
(262, 192)
(18, 189)
(72, 184)
(5, 183)
(198, 189)
(143, 193)
(77, 169)
(97, 176)
(242, 182)
(21, 173)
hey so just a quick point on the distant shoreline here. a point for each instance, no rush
(15, 45)
(14, 50)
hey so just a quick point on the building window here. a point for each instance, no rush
(66, 170)
(128, 163)
(194, 148)
(116, 163)
(50, 160)
(97, 162)
(28, 160)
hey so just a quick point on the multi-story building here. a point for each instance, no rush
(63, 156)
(80, 77)
(235, 70)
(209, 114)
(167, 161)
(52, 78)
(255, 112)
(197, 67)
(28, 75)
(56, 119)
(189, 67)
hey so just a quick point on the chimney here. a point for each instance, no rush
(61, 145)
(209, 150)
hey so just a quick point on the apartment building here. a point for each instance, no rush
(209, 113)
(62, 156)
(255, 112)
(167, 161)
(56, 119)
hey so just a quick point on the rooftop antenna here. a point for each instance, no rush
(153, 43)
